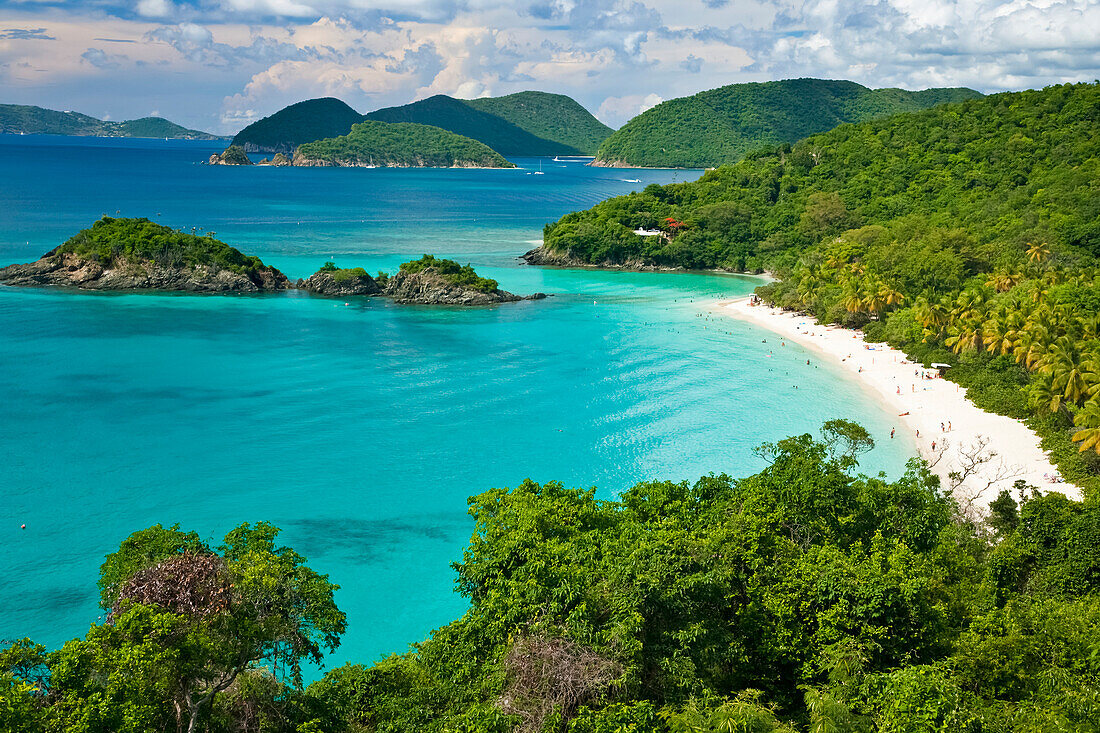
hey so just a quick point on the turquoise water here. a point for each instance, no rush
(358, 429)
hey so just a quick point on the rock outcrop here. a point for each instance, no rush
(278, 160)
(429, 287)
(552, 258)
(71, 270)
(355, 281)
(233, 155)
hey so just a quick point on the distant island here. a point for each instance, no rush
(429, 280)
(138, 254)
(399, 145)
(526, 123)
(721, 126)
(18, 119)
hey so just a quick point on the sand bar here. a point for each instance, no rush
(931, 409)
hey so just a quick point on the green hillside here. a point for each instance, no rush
(554, 117)
(313, 119)
(721, 125)
(528, 123)
(29, 120)
(399, 144)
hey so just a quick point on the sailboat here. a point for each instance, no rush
(372, 165)
(539, 171)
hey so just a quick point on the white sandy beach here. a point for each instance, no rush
(1006, 449)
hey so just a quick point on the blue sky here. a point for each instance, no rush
(219, 64)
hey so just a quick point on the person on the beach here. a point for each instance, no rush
(899, 390)
(941, 427)
(892, 433)
(918, 432)
(933, 446)
(949, 426)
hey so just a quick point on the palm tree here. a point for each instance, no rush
(1037, 252)
(1088, 419)
(1063, 364)
(1002, 281)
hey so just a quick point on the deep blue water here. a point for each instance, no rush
(359, 429)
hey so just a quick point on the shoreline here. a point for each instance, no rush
(986, 452)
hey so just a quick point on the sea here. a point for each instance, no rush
(358, 427)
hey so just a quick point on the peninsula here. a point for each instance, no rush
(138, 254)
(966, 235)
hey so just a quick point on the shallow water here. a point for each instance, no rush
(359, 429)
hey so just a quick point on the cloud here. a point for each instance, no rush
(101, 60)
(25, 34)
(617, 110)
(156, 8)
(217, 62)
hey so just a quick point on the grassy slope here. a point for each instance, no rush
(403, 144)
(721, 125)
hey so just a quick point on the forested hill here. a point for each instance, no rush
(400, 145)
(1000, 171)
(28, 120)
(528, 123)
(721, 125)
(553, 117)
(303, 122)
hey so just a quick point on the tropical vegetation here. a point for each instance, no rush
(29, 120)
(720, 126)
(111, 240)
(807, 597)
(400, 144)
(964, 234)
(454, 273)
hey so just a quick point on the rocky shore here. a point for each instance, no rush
(551, 258)
(431, 288)
(340, 283)
(67, 269)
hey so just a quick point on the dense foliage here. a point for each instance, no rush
(803, 598)
(188, 631)
(528, 123)
(721, 125)
(965, 234)
(17, 118)
(454, 273)
(141, 240)
(303, 122)
(402, 144)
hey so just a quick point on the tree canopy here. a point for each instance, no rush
(720, 126)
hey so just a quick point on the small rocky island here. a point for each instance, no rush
(138, 254)
(428, 281)
(233, 155)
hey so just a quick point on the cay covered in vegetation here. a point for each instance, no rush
(138, 254)
(401, 145)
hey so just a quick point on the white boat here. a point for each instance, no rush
(372, 165)
(632, 180)
(539, 171)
